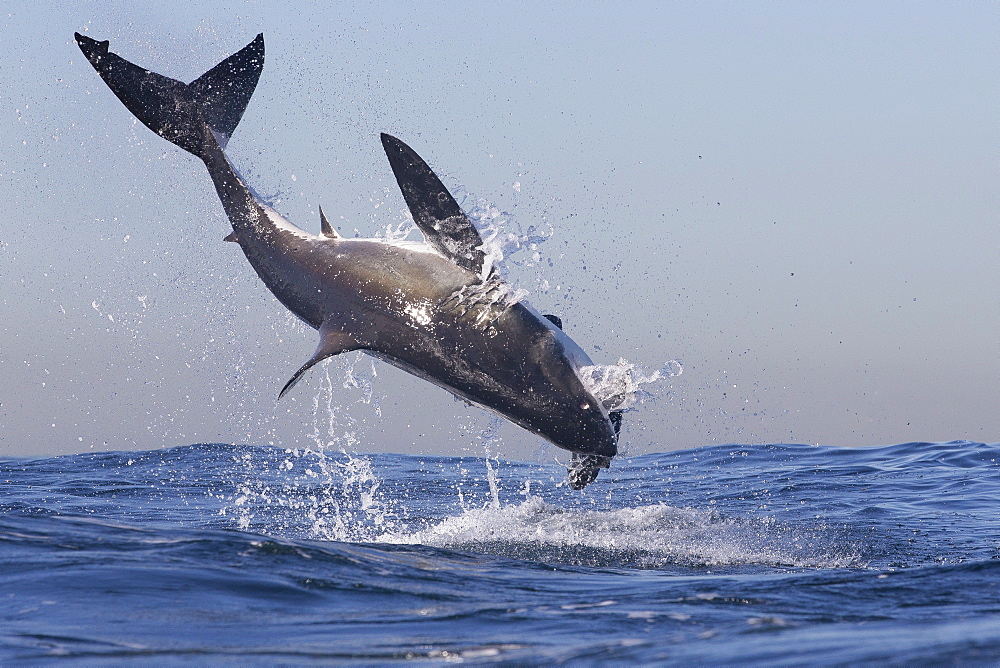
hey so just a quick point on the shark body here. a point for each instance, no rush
(437, 310)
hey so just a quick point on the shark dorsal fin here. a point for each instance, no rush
(445, 226)
(324, 224)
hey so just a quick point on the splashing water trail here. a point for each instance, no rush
(360, 381)
(399, 232)
(621, 386)
(347, 504)
(503, 238)
(322, 491)
(491, 441)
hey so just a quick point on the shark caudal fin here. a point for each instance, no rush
(179, 112)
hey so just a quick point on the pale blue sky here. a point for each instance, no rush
(798, 201)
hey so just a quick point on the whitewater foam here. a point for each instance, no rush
(641, 537)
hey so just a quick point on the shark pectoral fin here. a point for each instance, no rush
(445, 226)
(327, 229)
(332, 341)
(554, 319)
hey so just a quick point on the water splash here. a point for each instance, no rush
(621, 386)
(483, 303)
(649, 536)
(400, 232)
(323, 491)
(361, 380)
(491, 445)
(347, 503)
(503, 238)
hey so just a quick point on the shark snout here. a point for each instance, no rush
(587, 431)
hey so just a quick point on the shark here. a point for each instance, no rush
(439, 310)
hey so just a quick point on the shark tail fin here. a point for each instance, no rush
(183, 113)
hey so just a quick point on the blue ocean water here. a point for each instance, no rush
(771, 554)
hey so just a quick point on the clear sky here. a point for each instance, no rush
(797, 200)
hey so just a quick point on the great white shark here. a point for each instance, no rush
(439, 309)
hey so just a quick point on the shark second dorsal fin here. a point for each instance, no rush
(327, 229)
(435, 211)
(332, 341)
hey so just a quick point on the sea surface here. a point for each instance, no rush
(216, 554)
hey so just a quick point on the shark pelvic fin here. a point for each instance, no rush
(445, 226)
(328, 230)
(232, 237)
(332, 341)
